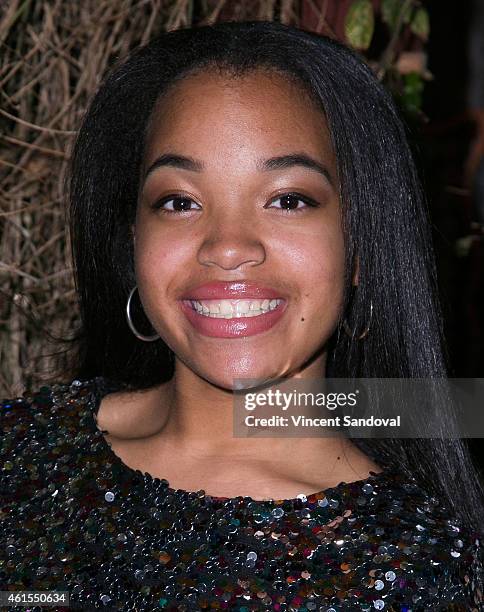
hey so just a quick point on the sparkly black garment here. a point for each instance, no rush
(74, 517)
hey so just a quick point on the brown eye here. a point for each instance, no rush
(175, 204)
(289, 202)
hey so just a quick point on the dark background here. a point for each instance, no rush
(442, 145)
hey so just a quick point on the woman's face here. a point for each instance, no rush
(221, 216)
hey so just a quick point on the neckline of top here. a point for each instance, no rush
(101, 386)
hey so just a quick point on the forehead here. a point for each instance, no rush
(261, 109)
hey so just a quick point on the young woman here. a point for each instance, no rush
(225, 171)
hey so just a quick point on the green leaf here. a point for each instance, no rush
(420, 24)
(360, 24)
(407, 13)
(390, 11)
(413, 87)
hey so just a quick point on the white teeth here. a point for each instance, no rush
(229, 309)
(225, 308)
(243, 307)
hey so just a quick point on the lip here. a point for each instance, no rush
(219, 290)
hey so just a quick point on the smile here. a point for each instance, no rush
(233, 309)
(235, 318)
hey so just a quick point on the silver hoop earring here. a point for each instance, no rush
(130, 322)
(364, 333)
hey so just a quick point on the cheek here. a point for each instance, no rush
(157, 259)
(318, 263)
(151, 258)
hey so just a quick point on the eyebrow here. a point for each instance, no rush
(273, 163)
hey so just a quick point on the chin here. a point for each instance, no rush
(242, 378)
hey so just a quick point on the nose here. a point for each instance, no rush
(231, 244)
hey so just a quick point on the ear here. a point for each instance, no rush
(356, 272)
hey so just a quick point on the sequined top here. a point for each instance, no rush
(75, 518)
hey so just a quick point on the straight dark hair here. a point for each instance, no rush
(385, 221)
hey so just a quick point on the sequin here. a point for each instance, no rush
(74, 517)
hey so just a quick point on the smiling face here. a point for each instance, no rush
(221, 216)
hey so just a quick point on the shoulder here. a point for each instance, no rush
(31, 412)
(38, 428)
(437, 550)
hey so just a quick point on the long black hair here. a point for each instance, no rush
(385, 222)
